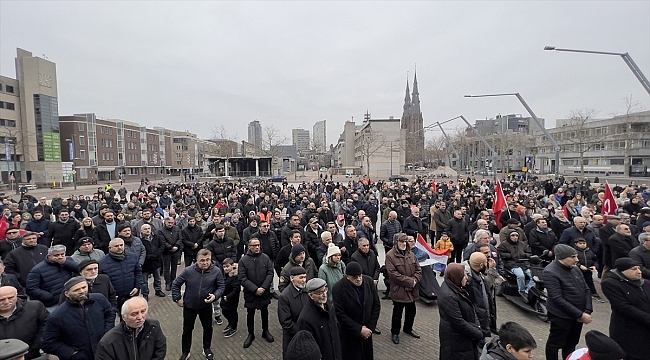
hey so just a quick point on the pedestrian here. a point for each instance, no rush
(62, 231)
(587, 264)
(173, 244)
(629, 297)
(404, 273)
(74, 329)
(298, 258)
(230, 299)
(481, 276)
(21, 260)
(641, 254)
(123, 269)
(97, 283)
(45, 281)
(154, 247)
(319, 319)
(21, 319)
(135, 338)
(459, 329)
(86, 250)
(513, 342)
(292, 300)
(458, 230)
(203, 285)
(569, 302)
(368, 260)
(333, 269)
(256, 276)
(357, 307)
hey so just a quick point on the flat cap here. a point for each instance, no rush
(315, 284)
(12, 348)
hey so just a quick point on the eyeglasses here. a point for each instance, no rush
(252, 246)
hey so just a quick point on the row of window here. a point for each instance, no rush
(105, 130)
(108, 156)
(7, 88)
(593, 162)
(7, 105)
(107, 143)
(9, 123)
(134, 157)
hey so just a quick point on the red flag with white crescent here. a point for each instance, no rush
(609, 203)
(499, 203)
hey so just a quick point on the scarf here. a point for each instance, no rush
(118, 257)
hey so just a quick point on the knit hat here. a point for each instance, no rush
(121, 227)
(353, 269)
(85, 240)
(625, 263)
(315, 284)
(647, 223)
(297, 270)
(563, 251)
(296, 250)
(601, 347)
(303, 346)
(13, 348)
(332, 250)
(72, 282)
(84, 263)
(225, 219)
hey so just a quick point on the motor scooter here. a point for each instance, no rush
(537, 295)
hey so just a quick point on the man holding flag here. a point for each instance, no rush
(499, 203)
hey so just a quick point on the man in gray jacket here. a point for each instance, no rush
(131, 243)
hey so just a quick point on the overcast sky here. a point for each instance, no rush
(196, 65)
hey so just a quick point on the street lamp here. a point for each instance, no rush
(539, 123)
(73, 157)
(626, 57)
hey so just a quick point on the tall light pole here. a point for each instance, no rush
(539, 123)
(626, 57)
(73, 157)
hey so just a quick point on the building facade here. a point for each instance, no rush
(378, 147)
(319, 136)
(255, 136)
(413, 124)
(300, 139)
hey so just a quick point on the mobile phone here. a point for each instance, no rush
(208, 297)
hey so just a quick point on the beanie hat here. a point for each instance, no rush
(303, 346)
(85, 240)
(84, 263)
(297, 270)
(225, 219)
(72, 282)
(647, 223)
(353, 269)
(563, 251)
(296, 250)
(625, 263)
(332, 250)
(121, 227)
(601, 347)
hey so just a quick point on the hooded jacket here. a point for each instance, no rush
(495, 351)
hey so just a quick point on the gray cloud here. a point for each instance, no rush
(193, 65)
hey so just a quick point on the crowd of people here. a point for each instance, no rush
(69, 266)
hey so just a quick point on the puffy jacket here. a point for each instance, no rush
(568, 294)
(26, 323)
(119, 343)
(387, 230)
(495, 351)
(198, 285)
(231, 290)
(458, 323)
(571, 234)
(403, 268)
(45, 281)
(222, 249)
(125, 274)
(73, 327)
(62, 233)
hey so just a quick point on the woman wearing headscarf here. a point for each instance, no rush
(459, 329)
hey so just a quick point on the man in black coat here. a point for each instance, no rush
(604, 233)
(62, 231)
(368, 260)
(459, 233)
(256, 277)
(481, 275)
(621, 243)
(105, 230)
(21, 260)
(542, 240)
(221, 246)
(318, 318)
(292, 224)
(413, 224)
(22, 319)
(192, 237)
(350, 244)
(290, 304)
(97, 283)
(118, 343)
(641, 254)
(173, 244)
(569, 302)
(154, 247)
(357, 307)
(629, 297)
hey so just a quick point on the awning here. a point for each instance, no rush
(105, 168)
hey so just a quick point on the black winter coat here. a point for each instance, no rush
(587, 258)
(630, 319)
(620, 246)
(45, 281)
(119, 343)
(511, 252)
(63, 234)
(458, 231)
(312, 241)
(21, 260)
(199, 285)
(26, 324)
(74, 327)
(459, 328)
(222, 249)
(369, 263)
(256, 271)
(541, 240)
(190, 236)
(231, 292)
(322, 325)
(269, 243)
(413, 226)
(352, 313)
(171, 237)
(485, 312)
(290, 305)
(154, 248)
(642, 255)
(568, 294)
(102, 237)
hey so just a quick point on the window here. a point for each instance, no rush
(9, 123)
(617, 161)
(10, 106)
(110, 131)
(9, 89)
(83, 173)
(110, 143)
(111, 153)
(81, 126)
(82, 154)
(2, 104)
(133, 171)
(103, 156)
(82, 140)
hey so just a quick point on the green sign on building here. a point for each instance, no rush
(51, 146)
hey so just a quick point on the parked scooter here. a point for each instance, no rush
(537, 295)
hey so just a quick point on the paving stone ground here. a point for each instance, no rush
(426, 324)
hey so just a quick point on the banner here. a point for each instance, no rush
(499, 203)
(609, 203)
(435, 256)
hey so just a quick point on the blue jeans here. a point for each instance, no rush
(521, 279)
(156, 281)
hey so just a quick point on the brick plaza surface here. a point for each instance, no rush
(426, 324)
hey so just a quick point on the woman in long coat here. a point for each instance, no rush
(459, 329)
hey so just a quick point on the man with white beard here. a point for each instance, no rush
(290, 304)
(97, 283)
(318, 318)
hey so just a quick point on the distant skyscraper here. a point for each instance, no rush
(320, 136)
(412, 122)
(255, 135)
(300, 138)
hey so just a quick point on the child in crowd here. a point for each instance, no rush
(445, 243)
(513, 342)
(587, 263)
(230, 298)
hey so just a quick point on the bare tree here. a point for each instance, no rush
(221, 133)
(506, 144)
(12, 135)
(370, 143)
(580, 136)
(271, 139)
(436, 150)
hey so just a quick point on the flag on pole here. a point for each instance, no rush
(609, 203)
(499, 203)
(434, 186)
(438, 256)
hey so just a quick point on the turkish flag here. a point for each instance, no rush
(609, 203)
(434, 187)
(499, 203)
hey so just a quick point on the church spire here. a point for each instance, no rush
(416, 95)
(407, 99)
